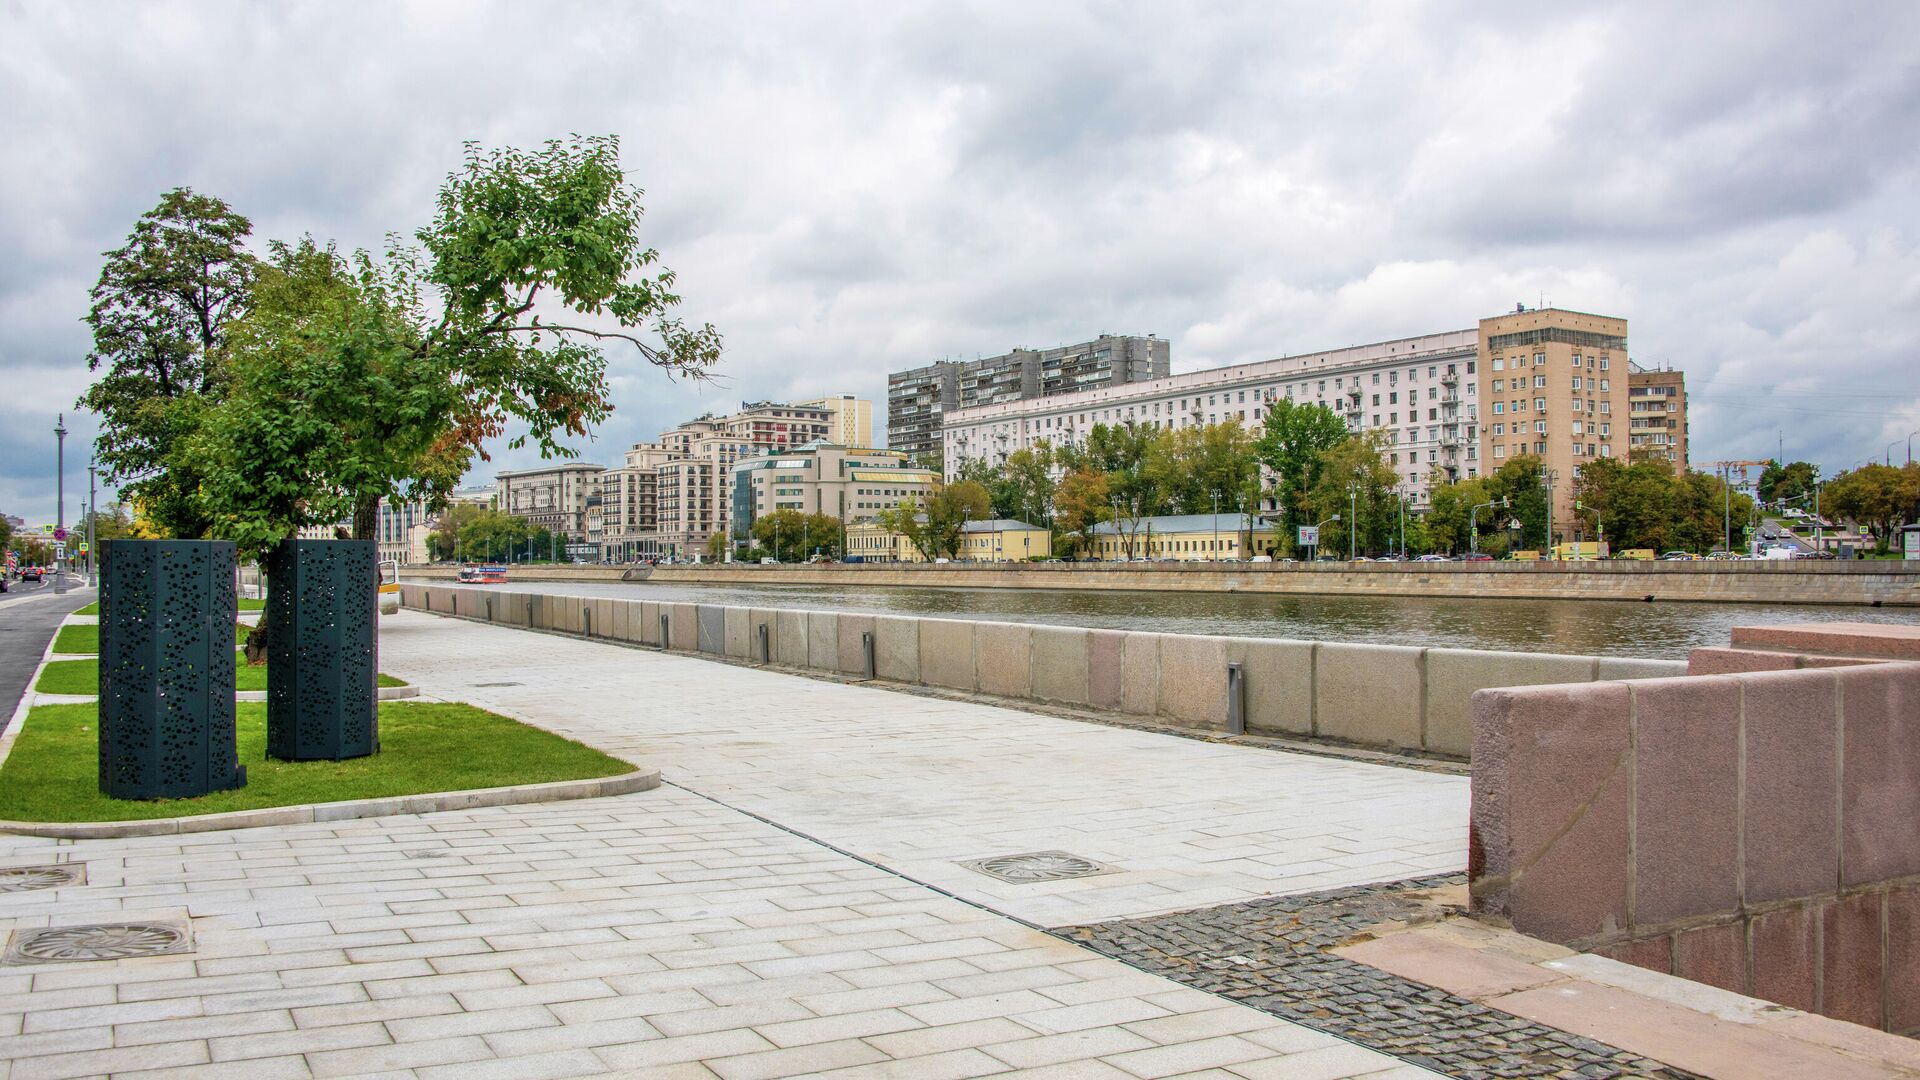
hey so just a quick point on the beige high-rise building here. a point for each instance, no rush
(1553, 384)
(852, 421)
(629, 504)
(851, 483)
(555, 497)
(694, 487)
(1657, 426)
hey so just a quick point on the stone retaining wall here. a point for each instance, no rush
(1792, 582)
(1398, 698)
(1759, 832)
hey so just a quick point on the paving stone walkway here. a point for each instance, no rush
(921, 785)
(664, 934)
(1272, 954)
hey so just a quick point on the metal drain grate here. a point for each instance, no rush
(1035, 866)
(97, 941)
(479, 685)
(28, 878)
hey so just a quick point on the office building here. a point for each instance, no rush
(629, 504)
(846, 482)
(1657, 416)
(852, 418)
(918, 399)
(555, 497)
(693, 488)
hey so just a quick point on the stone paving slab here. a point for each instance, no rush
(656, 934)
(922, 784)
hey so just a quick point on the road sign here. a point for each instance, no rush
(59, 534)
(1309, 536)
(48, 529)
(59, 552)
(81, 547)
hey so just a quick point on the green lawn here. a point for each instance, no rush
(246, 604)
(83, 676)
(85, 637)
(53, 773)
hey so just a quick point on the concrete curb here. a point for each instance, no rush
(387, 693)
(645, 779)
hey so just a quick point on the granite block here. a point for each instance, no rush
(1104, 649)
(740, 639)
(1369, 695)
(1279, 691)
(712, 632)
(1454, 674)
(897, 648)
(1903, 958)
(1653, 953)
(1003, 658)
(1548, 844)
(946, 653)
(852, 658)
(1686, 797)
(1193, 680)
(1060, 664)
(1792, 772)
(1715, 955)
(1786, 956)
(790, 638)
(823, 641)
(1880, 788)
(1140, 673)
(1850, 953)
(684, 627)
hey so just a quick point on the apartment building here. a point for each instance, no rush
(1554, 383)
(1657, 415)
(400, 530)
(1420, 393)
(693, 488)
(919, 398)
(629, 504)
(847, 482)
(852, 420)
(555, 497)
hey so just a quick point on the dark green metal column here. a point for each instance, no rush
(322, 650)
(167, 611)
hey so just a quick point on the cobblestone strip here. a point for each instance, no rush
(1272, 954)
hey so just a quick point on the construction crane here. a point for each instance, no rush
(1725, 469)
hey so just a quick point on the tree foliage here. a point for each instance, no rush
(1789, 481)
(1290, 444)
(791, 536)
(1880, 497)
(1356, 483)
(160, 315)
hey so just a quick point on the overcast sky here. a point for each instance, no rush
(847, 189)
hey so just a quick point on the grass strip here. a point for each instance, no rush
(83, 676)
(53, 772)
(246, 604)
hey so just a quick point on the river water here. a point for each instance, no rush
(1608, 627)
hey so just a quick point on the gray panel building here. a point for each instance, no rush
(919, 397)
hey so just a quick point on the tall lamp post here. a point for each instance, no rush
(93, 544)
(1473, 524)
(60, 489)
(1214, 553)
(1316, 536)
(1353, 520)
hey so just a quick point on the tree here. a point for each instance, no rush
(1134, 457)
(716, 547)
(1519, 483)
(1209, 467)
(1356, 483)
(906, 519)
(1881, 497)
(1788, 481)
(1451, 521)
(1081, 501)
(782, 532)
(1028, 479)
(160, 314)
(823, 534)
(949, 509)
(1291, 444)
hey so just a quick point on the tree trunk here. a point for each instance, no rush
(366, 516)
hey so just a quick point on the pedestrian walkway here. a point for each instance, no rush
(921, 785)
(665, 934)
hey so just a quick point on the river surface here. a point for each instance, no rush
(1603, 627)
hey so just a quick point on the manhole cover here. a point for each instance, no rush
(485, 684)
(25, 878)
(1038, 866)
(99, 941)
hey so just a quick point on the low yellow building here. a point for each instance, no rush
(1183, 537)
(1000, 540)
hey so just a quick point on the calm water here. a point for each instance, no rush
(1618, 628)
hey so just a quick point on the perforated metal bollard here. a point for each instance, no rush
(1236, 699)
(665, 627)
(866, 652)
(766, 645)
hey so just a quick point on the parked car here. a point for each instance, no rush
(1679, 556)
(1261, 558)
(1478, 556)
(1431, 558)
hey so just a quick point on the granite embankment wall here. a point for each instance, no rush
(1389, 697)
(1791, 582)
(1759, 832)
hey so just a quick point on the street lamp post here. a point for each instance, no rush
(1214, 554)
(93, 545)
(60, 489)
(1353, 520)
(1316, 537)
(1400, 496)
(1473, 524)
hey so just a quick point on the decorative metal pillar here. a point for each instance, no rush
(166, 669)
(322, 650)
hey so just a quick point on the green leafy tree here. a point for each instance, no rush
(1081, 501)
(905, 518)
(1881, 497)
(823, 535)
(1356, 483)
(1135, 459)
(717, 547)
(160, 316)
(783, 533)
(1209, 467)
(1450, 520)
(1788, 481)
(1028, 477)
(1519, 484)
(1290, 444)
(950, 508)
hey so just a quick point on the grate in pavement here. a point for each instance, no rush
(97, 941)
(487, 684)
(1035, 866)
(56, 876)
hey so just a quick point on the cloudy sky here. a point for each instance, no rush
(848, 188)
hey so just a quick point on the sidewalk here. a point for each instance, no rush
(663, 934)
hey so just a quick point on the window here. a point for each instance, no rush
(1393, 398)
(1499, 408)
(1499, 385)
(1603, 363)
(1376, 397)
(1539, 381)
(1539, 359)
(1539, 404)
(1499, 364)
(1540, 428)
(1603, 387)
(1577, 384)
(1499, 429)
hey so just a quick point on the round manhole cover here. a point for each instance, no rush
(104, 941)
(1038, 866)
(26, 878)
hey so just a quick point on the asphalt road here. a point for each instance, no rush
(30, 614)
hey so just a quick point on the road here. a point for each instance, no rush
(30, 614)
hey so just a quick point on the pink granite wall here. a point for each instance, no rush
(1759, 832)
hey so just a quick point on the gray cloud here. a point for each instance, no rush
(851, 189)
